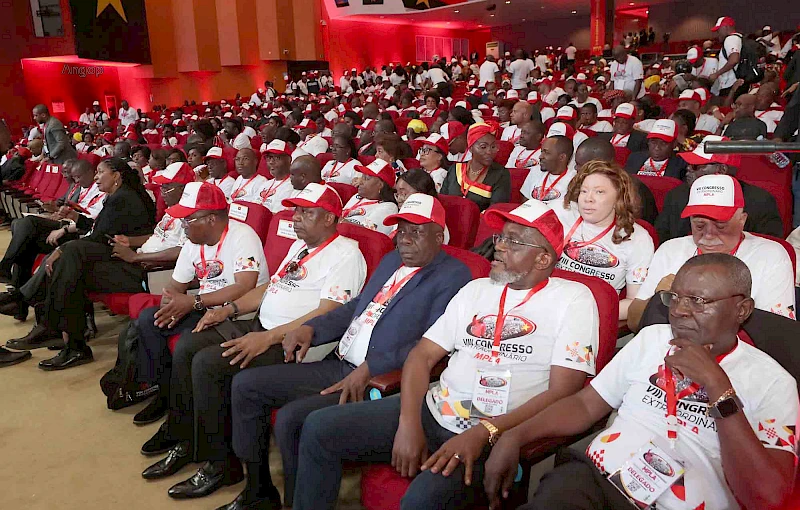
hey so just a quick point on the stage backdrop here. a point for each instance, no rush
(114, 30)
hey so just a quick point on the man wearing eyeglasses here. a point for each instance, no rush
(321, 272)
(408, 291)
(716, 212)
(705, 420)
(515, 346)
(226, 257)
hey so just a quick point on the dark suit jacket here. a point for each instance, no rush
(759, 204)
(123, 213)
(636, 142)
(676, 166)
(497, 177)
(409, 315)
(59, 148)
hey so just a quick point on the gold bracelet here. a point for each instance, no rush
(728, 394)
(494, 432)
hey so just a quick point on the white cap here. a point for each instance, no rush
(419, 208)
(693, 55)
(716, 196)
(512, 94)
(533, 97)
(463, 104)
(216, 153)
(96, 103)
(567, 113)
(626, 111)
(690, 95)
(664, 129)
(278, 147)
(316, 146)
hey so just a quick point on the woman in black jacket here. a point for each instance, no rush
(86, 264)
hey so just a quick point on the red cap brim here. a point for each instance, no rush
(300, 202)
(715, 212)
(181, 211)
(416, 219)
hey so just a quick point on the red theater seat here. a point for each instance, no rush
(345, 191)
(277, 246)
(505, 149)
(366, 160)
(518, 176)
(478, 266)
(255, 215)
(484, 230)
(462, 217)
(622, 154)
(373, 245)
(324, 157)
(410, 163)
(660, 186)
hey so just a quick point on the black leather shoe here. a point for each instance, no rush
(154, 411)
(8, 358)
(207, 480)
(67, 358)
(242, 502)
(159, 443)
(16, 309)
(9, 297)
(39, 336)
(177, 457)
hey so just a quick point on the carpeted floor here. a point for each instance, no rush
(61, 448)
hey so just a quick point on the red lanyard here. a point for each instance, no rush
(83, 195)
(501, 316)
(581, 244)
(95, 199)
(275, 186)
(615, 140)
(333, 171)
(544, 190)
(732, 252)
(204, 270)
(72, 190)
(243, 186)
(466, 183)
(383, 298)
(358, 204)
(515, 136)
(526, 159)
(308, 257)
(673, 396)
(658, 171)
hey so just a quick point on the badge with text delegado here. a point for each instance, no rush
(646, 476)
(490, 393)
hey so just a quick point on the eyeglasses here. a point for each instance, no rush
(426, 150)
(185, 223)
(513, 243)
(694, 303)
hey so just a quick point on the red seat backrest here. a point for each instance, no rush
(255, 215)
(256, 142)
(229, 153)
(92, 158)
(152, 138)
(401, 123)
(37, 177)
(50, 181)
(428, 121)
(478, 266)
(373, 244)
(410, 163)
(62, 188)
(621, 155)
(660, 186)
(786, 246)
(650, 230)
(30, 170)
(608, 308)
(263, 169)
(462, 217)
(345, 191)
(277, 246)
(505, 149)
(484, 230)
(518, 176)
(324, 157)
(759, 171)
(161, 206)
(366, 160)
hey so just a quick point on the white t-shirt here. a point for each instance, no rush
(616, 264)
(542, 62)
(770, 117)
(345, 173)
(732, 44)
(511, 133)
(256, 99)
(633, 383)
(438, 176)
(128, 116)
(169, 233)
(769, 264)
(707, 123)
(521, 157)
(437, 76)
(242, 141)
(532, 187)
(710, 66)
(520, 69)
(92, 200)
(625, 75)
(540, 334)
(571, 51)
(487, 72)
(368, 213)
(225, 184)
(248, 190)
(336, 273)
(242, 251)
(274, 192)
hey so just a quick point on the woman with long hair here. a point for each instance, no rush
(601, 235)
(375, 198)
(87, 264)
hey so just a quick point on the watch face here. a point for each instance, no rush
(728, 407)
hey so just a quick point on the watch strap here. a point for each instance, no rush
(494, 432)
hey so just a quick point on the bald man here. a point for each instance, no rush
(56, 139)
(304, 170)
(767, 110)
(520, 115)
(600, 149)
(745, 125)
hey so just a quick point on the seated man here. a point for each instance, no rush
(250, 183)
(321, 272)
(759, 204)
(527, 152)
(624, 135)
(503, 329)
(218, 171)
(408, 292)
(742, 123)
(716, 212)
(551, 180)
(660, 159)
(236, 267)
(520, 115)
(589, 120)
(727, 439)
(279, 161)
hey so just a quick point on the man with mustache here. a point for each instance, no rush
(515, 348)
(716, 212)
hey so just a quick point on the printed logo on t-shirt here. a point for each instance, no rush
(246, 264)
(239, 194)
(213, 269)
(299, 273)
(513, 327)
(360, 211)
(591, 255)
(553, 194)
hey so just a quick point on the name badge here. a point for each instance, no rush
(647, 475)
(490, 393)
(286, 229)
(238, 212)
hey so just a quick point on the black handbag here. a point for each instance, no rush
(120, 384)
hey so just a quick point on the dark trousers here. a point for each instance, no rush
(83, 266)
(576, 484)
(28, 239)
(294, 389)
(154, 363)
(200, 388)
(364, 432)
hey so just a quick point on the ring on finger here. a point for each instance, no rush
(457, 456)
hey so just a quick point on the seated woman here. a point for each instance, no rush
(431, 108)
(389, 147)
(195, 156)
(432, 156)
(686, 122)
(342, 168)
(415, 180)
(481, 179)
(86, 264)
(602, 238)
(375, 198)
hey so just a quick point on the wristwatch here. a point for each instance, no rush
(198, 303)
(727, 405)
(235, 314)
(494, 432)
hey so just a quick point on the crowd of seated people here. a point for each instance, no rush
(591, 169)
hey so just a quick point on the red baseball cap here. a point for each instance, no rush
(716, 196)
(278, 147)
(452, 129)
(534, 214)
(308, 124)
(699, 156)
(176, 173)
(316, 195)
(418, 209)
(567, 113)
(214, 153)
(664, 129)
(437, 141)
(725, 21)
(380, 169)
(198, 196)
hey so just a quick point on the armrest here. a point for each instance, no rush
(389, 382)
